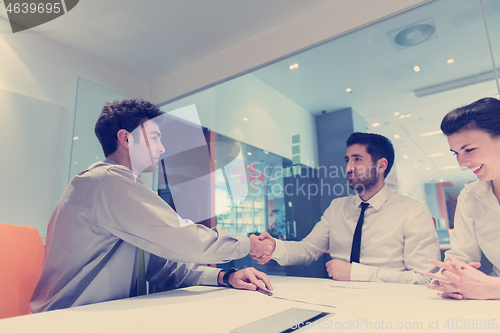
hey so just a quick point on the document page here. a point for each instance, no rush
(322, 294)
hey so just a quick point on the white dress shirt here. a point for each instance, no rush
(398, 237)
(477, 226)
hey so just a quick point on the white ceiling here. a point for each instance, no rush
(156, 37)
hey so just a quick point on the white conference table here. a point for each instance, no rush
(213, 309)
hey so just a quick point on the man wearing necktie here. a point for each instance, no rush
(375, 235)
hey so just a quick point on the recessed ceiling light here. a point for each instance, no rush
(396, 113)
(498, 96)
(249, 153)
(405, 116)
(431, 133)
(430, 178)
(436, 154)
(405, 156)
(294, 66)
(441, 180)
(245, 119)
(75, 138)
(428, 168)
(450, 61)
(375, 124)
(416, 69)
(349, 90)
(396, 136)
(416, 166)
(450, 167)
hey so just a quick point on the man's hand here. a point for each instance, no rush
(248, 278)
(459, 280)
(262, 247)
(339, 270)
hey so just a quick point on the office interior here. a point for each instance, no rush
(288, 95)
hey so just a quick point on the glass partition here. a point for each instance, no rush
(398, 78)
(90, 99)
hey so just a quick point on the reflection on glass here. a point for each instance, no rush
(400, 75)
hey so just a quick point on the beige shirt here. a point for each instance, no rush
(397, 239)
(103, 217)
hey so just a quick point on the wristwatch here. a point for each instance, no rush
(225, 278)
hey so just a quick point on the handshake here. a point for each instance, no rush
(262, 247)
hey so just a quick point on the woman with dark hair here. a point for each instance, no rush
(473, 133)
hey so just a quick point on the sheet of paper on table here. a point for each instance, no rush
(332, 295)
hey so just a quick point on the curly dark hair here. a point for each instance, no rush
(378, 146)
(482, 115)
(125, 114)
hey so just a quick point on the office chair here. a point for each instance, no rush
(21, 260)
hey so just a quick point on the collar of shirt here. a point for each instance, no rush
(110, 161)
(483, 192)
(482, 189)
(377, 200)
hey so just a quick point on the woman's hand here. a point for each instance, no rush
(459, 280)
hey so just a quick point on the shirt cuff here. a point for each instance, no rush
(245, 244)
(210, 277)
(279, 251)
(360, 272)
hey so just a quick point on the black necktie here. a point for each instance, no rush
(356, 240)
(141, 275)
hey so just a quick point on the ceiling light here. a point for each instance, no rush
(416, 166)
(249, 153)
(450, 167)
(293, 66)
(441, 180)
(396, 113)
(396, 136)
(431, 133)
(450, 61)
(349, 90)
(405, 156)
(430, 178)
(245, 119)
(436, 154)
(375, 124)
(405, 116)
(75, 138)
(416, 69)
(428, 168)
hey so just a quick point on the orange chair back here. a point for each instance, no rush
(21, 261)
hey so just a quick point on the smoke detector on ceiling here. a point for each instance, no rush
(414, 34)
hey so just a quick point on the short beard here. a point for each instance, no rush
(366, 184)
